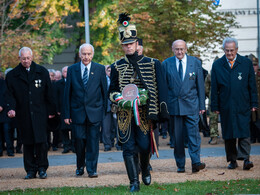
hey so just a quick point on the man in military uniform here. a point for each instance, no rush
(136, 117)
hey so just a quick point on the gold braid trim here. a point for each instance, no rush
(144, 126)
(111, 97)
(147, 71)
(124, 120)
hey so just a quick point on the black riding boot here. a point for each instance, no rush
(131, 167)
(144, 160)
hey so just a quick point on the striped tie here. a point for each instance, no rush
(85, 77)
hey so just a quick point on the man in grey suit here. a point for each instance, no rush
(186, 100)
(85, 96)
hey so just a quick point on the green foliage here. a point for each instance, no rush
(247, 186)
(159, 23)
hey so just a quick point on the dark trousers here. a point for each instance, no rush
(6, 133)
(239, 152)
(164, 127)
(186, 128)
(35, 157)
(18, 140)
(171, 132)
(106, 129)
(136, 142)
(87, 145)
(68, 142)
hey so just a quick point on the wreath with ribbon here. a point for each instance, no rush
(140, 100)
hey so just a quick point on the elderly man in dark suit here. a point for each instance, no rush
(85, 99)
(186, 100)
(234, 96)
(30, 100)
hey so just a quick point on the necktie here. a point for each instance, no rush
(180, 70)
(232, 63)
(85, 77)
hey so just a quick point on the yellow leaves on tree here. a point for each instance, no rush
(49, 11)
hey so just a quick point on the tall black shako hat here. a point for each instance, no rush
(127, 32)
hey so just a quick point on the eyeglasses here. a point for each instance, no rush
(179, 49)
(229, 50)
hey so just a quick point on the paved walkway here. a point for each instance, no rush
(108, 157)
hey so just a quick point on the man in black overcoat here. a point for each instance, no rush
(234, 96)
(29, 99)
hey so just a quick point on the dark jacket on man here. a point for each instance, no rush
(233, 93)
(30, 95)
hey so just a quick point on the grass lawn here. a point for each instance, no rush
(247, 186)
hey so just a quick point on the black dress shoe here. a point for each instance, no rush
(232, 165)
(253, 140)
(19, 151)
(198, 167)
(80, 171)
(42, 174)
(180, 170)
(118, 148)
(54, 148)
(164, 136)
(10, 154)
(107, 149)
(65, 151)
(247, 165)
(30, 175)
(93, 175)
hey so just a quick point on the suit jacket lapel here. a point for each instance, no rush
(21, 73)
(78, 75)
(237, 62)
(225, 63)
(188, 68)
(33, 72)
(92, 72)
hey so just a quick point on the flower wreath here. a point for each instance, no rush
(140, 100)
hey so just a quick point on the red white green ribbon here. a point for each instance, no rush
(118, 97)
(135, 105)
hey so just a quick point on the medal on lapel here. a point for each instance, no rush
(239, 76)
(38, 83)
